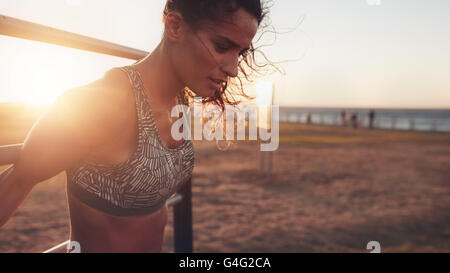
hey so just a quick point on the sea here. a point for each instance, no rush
(432, 120)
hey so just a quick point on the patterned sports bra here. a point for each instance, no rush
(142, 184)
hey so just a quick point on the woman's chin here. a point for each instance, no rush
(206, 92)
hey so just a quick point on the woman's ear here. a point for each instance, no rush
(174, 26)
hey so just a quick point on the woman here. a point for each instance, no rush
(113, 138)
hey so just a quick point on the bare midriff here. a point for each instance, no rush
(97, 231)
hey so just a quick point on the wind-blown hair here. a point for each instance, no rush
(195, 12)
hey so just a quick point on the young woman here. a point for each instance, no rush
(112, 136)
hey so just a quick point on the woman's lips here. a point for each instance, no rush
(216, 83)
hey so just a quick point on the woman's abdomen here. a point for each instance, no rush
(97, 231)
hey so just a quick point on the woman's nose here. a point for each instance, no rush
(231, 67)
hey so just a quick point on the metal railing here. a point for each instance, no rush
(382, 122)
(13, 27)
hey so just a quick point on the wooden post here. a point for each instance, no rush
(265, 166)
(262, 161)
(269, 169)
(182, 221)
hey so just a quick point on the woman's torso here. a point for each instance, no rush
(97, 231)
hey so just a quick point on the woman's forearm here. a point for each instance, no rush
(9, 154)
(12, 194)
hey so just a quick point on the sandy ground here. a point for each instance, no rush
(332, 190)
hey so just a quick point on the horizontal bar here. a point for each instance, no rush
(14, 27)
(172, 201)
(175, 199)
(58, 248)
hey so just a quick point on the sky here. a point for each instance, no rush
(346, 53)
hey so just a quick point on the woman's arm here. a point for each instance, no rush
(9, 153)
(78, 122)
(12, 194)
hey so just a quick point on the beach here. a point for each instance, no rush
(332, 189)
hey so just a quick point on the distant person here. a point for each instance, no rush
(113, 136)
(308, 118)
(354, 120)
(343, 118)
(371, 118)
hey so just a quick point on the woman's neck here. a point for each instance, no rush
(159, 78)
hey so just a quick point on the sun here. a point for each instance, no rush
(42, 72)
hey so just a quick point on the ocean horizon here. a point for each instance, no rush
(437, 120)
(419, 119)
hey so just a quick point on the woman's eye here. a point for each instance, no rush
(220, 48)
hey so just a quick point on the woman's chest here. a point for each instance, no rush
(122, 145)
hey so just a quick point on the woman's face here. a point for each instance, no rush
(207, 56)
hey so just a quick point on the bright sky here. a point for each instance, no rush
(351, 53)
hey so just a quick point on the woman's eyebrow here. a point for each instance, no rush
(229, 41)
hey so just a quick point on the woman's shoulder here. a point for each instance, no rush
(113, 89)
(114, 82)
(109, 98)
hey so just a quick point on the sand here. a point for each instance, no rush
(331, 190)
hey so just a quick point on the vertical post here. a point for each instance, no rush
(262, 161)
(270, 126)
(270, 165)
(182, 221)
(266, 160)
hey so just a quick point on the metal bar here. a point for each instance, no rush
(182, 216)
(14, 27)
(174, 200)
(262, 162)
(58, 248)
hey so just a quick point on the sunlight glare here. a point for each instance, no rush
(264, 93)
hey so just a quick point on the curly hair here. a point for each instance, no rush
(195, 12)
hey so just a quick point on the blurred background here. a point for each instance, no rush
(364, 149)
